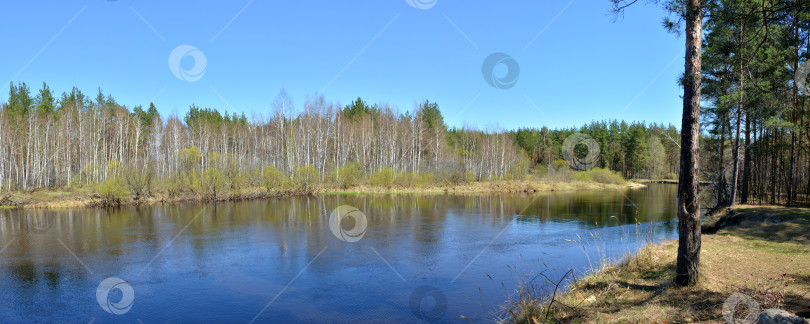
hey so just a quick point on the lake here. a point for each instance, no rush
(378, 258)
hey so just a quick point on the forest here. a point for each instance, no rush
(74, 141)
(755, 64)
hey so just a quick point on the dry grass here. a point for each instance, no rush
(84, 197)
(495, 186)
(772, 269)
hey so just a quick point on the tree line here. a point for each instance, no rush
(635, 150)
(78, 141)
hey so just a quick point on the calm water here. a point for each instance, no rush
(278, 260)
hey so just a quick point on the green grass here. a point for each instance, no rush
(343, 193)
(768, 246)
(605, 176)
(595, 175)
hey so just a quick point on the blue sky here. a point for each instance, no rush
(576, 64)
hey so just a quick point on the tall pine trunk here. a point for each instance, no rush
(736, 154)
(773, 166)
(688, 200)
(721, 171)
(792, 182)
(746, 161)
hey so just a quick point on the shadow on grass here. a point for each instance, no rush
(788, 232)
(799, 305)
(775, 224)
(626, 295)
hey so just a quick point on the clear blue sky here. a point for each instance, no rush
(581, 67)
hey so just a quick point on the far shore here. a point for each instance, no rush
(81, 198)
(668, 181)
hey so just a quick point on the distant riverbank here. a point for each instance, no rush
(760, 251)
(668, 181)
(86, 197)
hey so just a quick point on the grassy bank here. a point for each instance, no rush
(763, 252)
(88, 197)
(482, 187)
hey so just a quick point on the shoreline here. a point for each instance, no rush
(669, 181)
(84, 198)
(760, 251)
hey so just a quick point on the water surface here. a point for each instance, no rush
(278, 261)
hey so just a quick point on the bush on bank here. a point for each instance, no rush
(222, 179)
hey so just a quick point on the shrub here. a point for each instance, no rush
(253, 178)
(605, 176)
(237, 179)
(273, 179)
(540, 170)
(111, 191)
(190, 181)
(424, 179)
(413, 180)
(518, 170)
(305, 178)
(560, 171)
(583, 176)
(139, 182)
(348, 175)
(560, 165)
(383, 177)
(469, 176)
(407, 180)
(174, 185)
(212, 182)
(451, 177)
